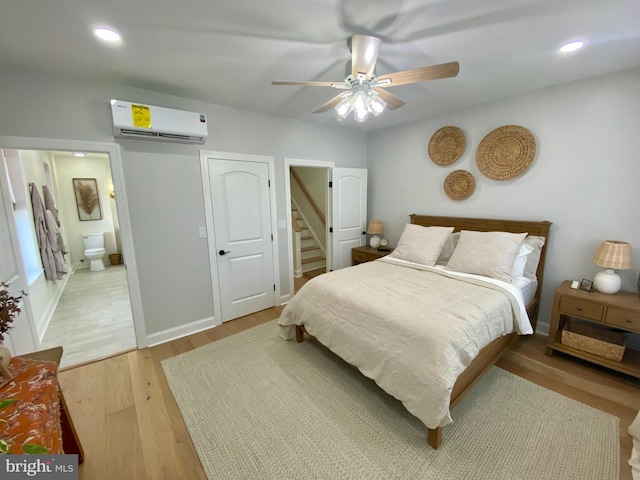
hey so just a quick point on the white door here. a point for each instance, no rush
(22, 337)
(241, 209)
(349, 213)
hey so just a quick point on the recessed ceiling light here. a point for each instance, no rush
(572, 46)
(78, 154)
(107, 34)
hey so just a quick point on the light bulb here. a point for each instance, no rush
(361, 115)
(377, 106)
(359, 102)
(343, 109)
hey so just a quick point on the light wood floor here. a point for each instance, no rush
(93, 318)
(131, 427)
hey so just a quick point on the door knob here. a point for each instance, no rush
(222, 252)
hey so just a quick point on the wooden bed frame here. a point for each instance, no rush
(490, 354)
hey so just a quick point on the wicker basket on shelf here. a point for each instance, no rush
(595, 340)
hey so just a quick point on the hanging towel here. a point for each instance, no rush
(53, 212)
(44, 238)
(57, 247)
(50, 204)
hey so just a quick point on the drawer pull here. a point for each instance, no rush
(629, 320)
(579, 309)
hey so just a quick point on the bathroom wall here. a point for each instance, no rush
(68, 167)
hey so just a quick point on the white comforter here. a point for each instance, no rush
(410, 328)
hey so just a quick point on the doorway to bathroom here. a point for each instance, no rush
(85, 310)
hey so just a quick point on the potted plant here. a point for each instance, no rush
(9, 310)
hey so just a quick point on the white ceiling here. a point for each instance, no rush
(228, 51)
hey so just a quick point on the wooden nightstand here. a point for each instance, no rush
(620, 311)
(366, 254)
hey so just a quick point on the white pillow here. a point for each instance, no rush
(534, 258)
(420, 244)
(486, 253)
(520, 263)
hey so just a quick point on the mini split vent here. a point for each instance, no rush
(135, 120)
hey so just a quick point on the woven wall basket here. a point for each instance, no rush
(459, 185)
(506, 152)
(447, 145)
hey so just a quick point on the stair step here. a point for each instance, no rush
(312, 259)
(306, 249)
(308, 237)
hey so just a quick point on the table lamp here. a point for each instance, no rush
(375, 229)
(611, 254)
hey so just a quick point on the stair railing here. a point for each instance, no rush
(297, 247)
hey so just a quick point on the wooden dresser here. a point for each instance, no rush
(620, 311)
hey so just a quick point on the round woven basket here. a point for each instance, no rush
(447, 145)
(459, 185)
(506, 152)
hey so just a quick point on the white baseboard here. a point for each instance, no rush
(182, 331)
(542, 328)
(47, 315)
(284, 299)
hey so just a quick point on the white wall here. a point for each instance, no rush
(584, 177)
(163, 181)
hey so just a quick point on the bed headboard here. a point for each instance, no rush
(494, 225)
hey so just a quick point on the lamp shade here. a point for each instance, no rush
(375, 227)
(613, 254)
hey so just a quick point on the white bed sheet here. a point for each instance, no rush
(527, 286)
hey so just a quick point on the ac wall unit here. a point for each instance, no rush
(136, 120)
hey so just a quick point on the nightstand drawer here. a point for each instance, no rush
(359, 257)
(623, 318)
(580, 308)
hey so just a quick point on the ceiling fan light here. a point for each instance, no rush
(343, 109)
(377, 106)
(360, 102)
(361, 116)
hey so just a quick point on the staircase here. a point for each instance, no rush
(312, 255)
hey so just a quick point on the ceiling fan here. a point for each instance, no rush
(364, 92)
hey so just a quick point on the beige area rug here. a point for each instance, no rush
(259, 407)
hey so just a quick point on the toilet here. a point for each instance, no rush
(94, 250)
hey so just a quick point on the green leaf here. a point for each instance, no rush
(4, 446)
(6, 403)
(34, 449)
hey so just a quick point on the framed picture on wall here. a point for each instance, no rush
(86, 190)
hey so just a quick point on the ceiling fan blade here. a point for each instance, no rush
(308, 84)
(364, 55)
(434, 72)
(392, 100)
(331, 103)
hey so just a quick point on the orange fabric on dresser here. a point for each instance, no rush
(34, 417)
